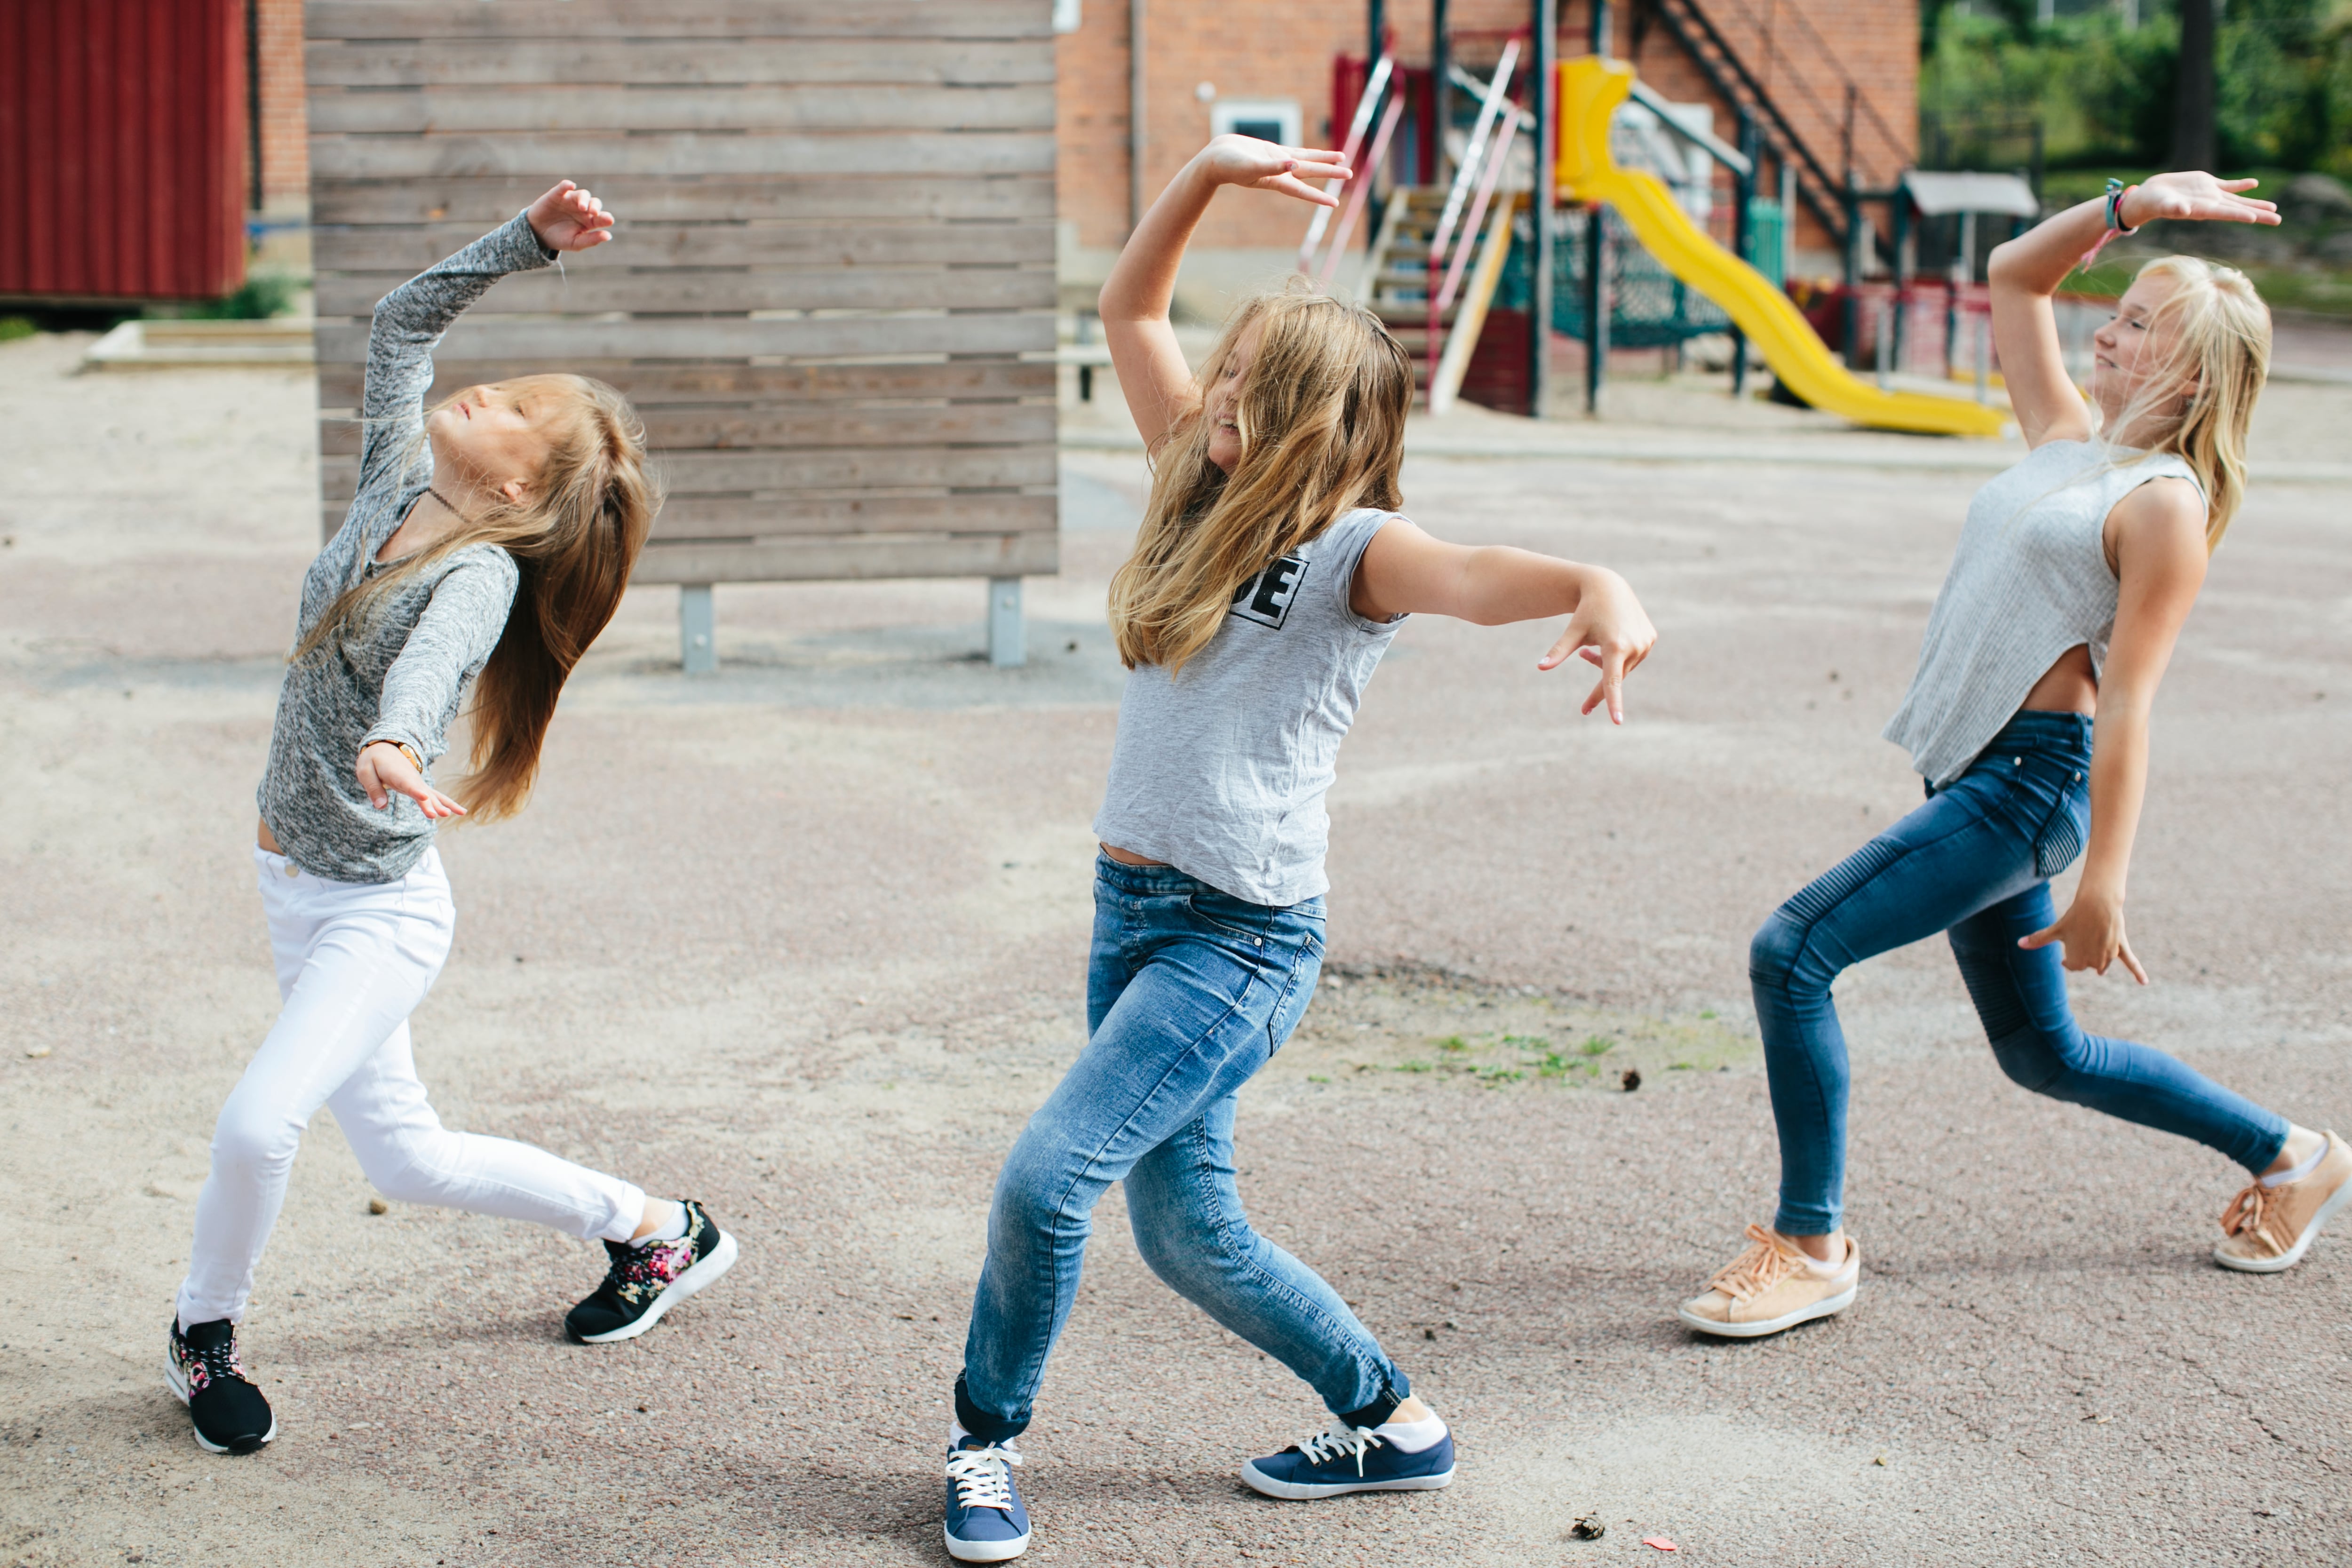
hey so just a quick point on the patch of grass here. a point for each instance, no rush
(1597, 1046)
(1416, 1064)
(1497, 1075)
(1316, 1077)
(260, 297)
(15, 327)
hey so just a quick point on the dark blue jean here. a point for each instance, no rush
(1189, 992)
(1974, 863)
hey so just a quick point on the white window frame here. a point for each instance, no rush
(1226, 112)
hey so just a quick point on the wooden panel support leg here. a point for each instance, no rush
(1007, 648)
(697, 628)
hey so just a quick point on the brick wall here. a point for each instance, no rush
(1223, 43)
(1803, 50)
(285, 133)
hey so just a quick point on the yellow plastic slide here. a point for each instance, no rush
(1590, 91)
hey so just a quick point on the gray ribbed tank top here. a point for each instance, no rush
(2028, 581)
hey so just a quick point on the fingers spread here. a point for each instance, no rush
(1612, 678)
(1290, 186)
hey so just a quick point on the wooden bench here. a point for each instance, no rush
(830, 294)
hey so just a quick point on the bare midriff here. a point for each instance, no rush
(1128, 858)
(2066, 687)
(267, 840)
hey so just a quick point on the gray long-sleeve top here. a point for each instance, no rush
(399, 674)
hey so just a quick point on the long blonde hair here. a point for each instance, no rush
(575, 537)
(1321, 420)
(2220, 334)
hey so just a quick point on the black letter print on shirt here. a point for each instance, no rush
(1266, 599)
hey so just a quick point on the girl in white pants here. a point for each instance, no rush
(489, 544)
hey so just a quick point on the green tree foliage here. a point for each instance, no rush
(2102, 92)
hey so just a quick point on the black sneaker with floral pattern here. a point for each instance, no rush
(648, 1277)
(229, 1414)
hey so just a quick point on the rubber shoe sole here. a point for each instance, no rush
(1828, 1306)
(179, 1387)
(706, 1272)
(1259, 1482)
(2289, 1258)
(985, 1551)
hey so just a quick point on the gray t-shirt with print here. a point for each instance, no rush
(1221, 769)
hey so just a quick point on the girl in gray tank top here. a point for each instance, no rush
(1270, 573)
(2028, 719)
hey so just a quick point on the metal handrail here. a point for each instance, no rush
(1713, 146)
(1361, 185)
(1490, 109)
(1373, 85)
(1471, 230)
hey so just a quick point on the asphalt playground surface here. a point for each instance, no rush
(805, 940)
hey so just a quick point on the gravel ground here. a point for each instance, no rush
(805, 940)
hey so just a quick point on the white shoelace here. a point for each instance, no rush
(980, 1476)
(1338, 1439)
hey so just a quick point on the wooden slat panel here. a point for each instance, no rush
(481, 203)
(909, 555)
(589, 287)
(856, 468)
(518, 19)
(593, 159)
(408, 249)
(522, 340)
(828, 180)
(813, 468)
(749, 63)
(566, 107)
(806, 425)
(651, 387)
(744, 519)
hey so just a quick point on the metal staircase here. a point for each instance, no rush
(1434, 261)
(1822, 188)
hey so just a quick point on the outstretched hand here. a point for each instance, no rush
(2194, 196)
(1233, 160)
(569, 219)
(2093, 932)
(385, 771)
(1611, 630)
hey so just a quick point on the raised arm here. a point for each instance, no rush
(2025, 272)
(2160, 545)
(1405, 572)
(1135, 297)
(409, 322)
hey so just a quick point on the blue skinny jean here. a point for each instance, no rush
(1189, 993)
(1974, 862)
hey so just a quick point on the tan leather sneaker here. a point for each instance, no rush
(2267, 1229)
(1768, 1287)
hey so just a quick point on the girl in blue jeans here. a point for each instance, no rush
(2028, 718)
(1268, 576)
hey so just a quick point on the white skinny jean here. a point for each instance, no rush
(354, 961)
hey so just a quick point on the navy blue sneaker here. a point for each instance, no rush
(986, 1522)
(1350, 1460)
